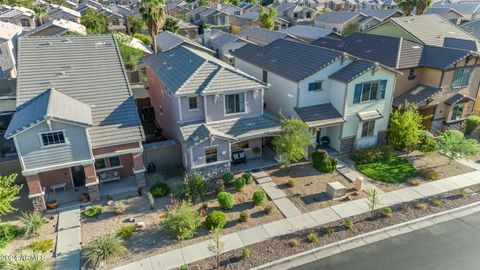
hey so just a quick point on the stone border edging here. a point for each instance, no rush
(368, 234)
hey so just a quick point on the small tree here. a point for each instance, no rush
(454, 145)
(404, 127)
(95, 22)
(422, 5)
(267, 20)
(292, 141)
(136, 24)
(216, 246)
(350, 28)
(373, 199)
(8, 193)
(171, 25)
(407, 6)
(40, 13)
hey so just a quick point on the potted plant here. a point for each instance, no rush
(256, 151)
(52, 204)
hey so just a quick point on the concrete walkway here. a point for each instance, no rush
(67, 252)
(199, 251)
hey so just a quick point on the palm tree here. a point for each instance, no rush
(40, 13)
(422, 5)
(153, 15)
(171, 25)
(407, 6)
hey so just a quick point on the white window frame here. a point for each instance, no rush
(196, 102)
(370, 91)
(372, 129)
(205, 153)
(316, 89)
(40, 134)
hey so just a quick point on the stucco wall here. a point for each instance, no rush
(215, 105)
(192, 115)
(223, 153)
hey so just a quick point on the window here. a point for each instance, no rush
(457, 111)
(412, 74)
(100, 164)
(235, 103)
(265, 76)
(51, 138)
(368, 128)
(295, 15)
(192, 103)
(211, 154)
(114, 161)
(25, 22)
(461, 77)
(315, 86)
(106, 163)
(115, 21)
(367, 91)
(308, 15)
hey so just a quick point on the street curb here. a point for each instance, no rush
(359, 240)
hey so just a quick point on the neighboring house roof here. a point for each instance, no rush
(49, 105)
(463, 8)
(457, 98)
(57, 27)
(9, 30)
(237, 20)
(381, 14)
(339, 17)
(320, 115)
(418, 95)
(7, 104)
(251, 15)
(186, 71)
(353, 70)
(219, 38)
(92, 74)
(167, 41)
(15, 12)
(263, 36)
(58, 9)
(289, 59)
(307, 32)
(119, 9)
(441, 11)
(463, 44)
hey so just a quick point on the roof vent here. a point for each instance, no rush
(61, 73)
(164, 63)
(195, 139)
(67, 40)
(416, 47)
(169, 68)
(45, 44)
(171, 55)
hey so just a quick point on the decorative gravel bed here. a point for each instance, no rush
(279, 247)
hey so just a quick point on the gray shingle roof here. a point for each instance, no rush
(289, 59)
(417, 95)
(463, 44)
(352, 71)
(167, 40)
(261, 36)
(381, 14)
(457, 98)
(188, 71)
(307, 32)
(220, 38)
(440, 57)
(320, 115)
(338, 16)
(464, 8)
(88, 69)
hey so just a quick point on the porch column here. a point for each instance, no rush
(139, 170)
(91, 182)
(36, 193)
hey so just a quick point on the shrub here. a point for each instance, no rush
(143, 38)
(428, 174)
(421, 206)
(101, 249)
(372, 154)
(312, 236)
(248, 178)
(329, 230)
(181, 221)
(323, 163)
(159, 189)
(8, 232)
(436, 202)
(464, 192)
(349, 224)
(43, 245)
(119, 208)
(294, 242)
(225, 200)
(268, 209)
(228, 178)
(93, 211)
(32, 223)
(126, 231)
(291, 183)
(427, 142)
(414, 182)
(387, 212)
(471, 124)
(239, 183)
(220, 187)
(216, 219)
(26, 260)
(246, 253)
(194, 188)
(244, 216)
(184, 267)
(259, 197)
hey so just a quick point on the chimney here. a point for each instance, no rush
(207, 33)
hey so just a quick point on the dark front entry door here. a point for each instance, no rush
(78, 175)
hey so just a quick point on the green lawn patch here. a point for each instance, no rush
(393, 170)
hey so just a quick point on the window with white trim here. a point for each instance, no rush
(235, 103)
(52, 138)
(461, 77)
(315, 86)
(192, 103)
(368, 128)
(211, 154)
(457, 111)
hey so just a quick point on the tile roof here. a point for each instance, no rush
(369, 115)
(289, 59)
(464, 8)
(463, 44)
(187, 71)
(56, 8)
(440, 10)
(338, 17)
(220, 38)
(307, 32)
(88, 69)
(9, 30)
(381, 14)
(167, 41)
(261, 36)
(353, 70)
(472, 27)
(320, 115)
(417, 95)
(57, 27)
(457, 98)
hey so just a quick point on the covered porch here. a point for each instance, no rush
(264, 157)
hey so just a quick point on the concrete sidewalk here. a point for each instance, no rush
(67, 251)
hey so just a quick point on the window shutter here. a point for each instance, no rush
(358, 93)
(383, 88)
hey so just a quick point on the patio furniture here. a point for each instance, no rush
(108, 176)
(58, 186)
(239, 157)
(335, 189)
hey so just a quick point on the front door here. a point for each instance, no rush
(78, 176)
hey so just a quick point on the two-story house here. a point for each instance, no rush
(214, 17)
(61, 12)
(8, 38)
(223, 44)
(296, 14)
(212, 109)
(442, 81)
(76, 126)
(345, 100)
(21, 16)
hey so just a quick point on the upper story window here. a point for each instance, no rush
(308, 15)
(461, 77)
(235, 103)
(211, 154)
(265, 76)
(457, 112)
(192, 103)
(25, 22)
(115, 21)
(52, 138)
(315, 86)
(412, 74)
(295, 15)
(368, 91)
(368, 128)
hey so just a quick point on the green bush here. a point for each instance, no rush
(291, 183)
(248, 178)
(323, 163)
(246, 253)
(259, 197)
(181, 221)
(436, 202)
(349, 224)
(126, 231)
(119, 208)
(228, 178)
(239, 184)
(464, 192)
(330, 230)
(268, 209)
(8, 232)
(225, 200)
(427, 142)
(216, 219)
(93, 211)
(143, 38)
(471, 124)
(159, 189)
(101, 249)
(294, 242)
(312, 236)
(194, 188)
(372, 154)
(26, 260)
(43, 245)
(387, 212)
(32, 223)
(244, 216)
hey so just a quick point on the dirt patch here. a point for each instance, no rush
(438, 162)
(308, 194)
